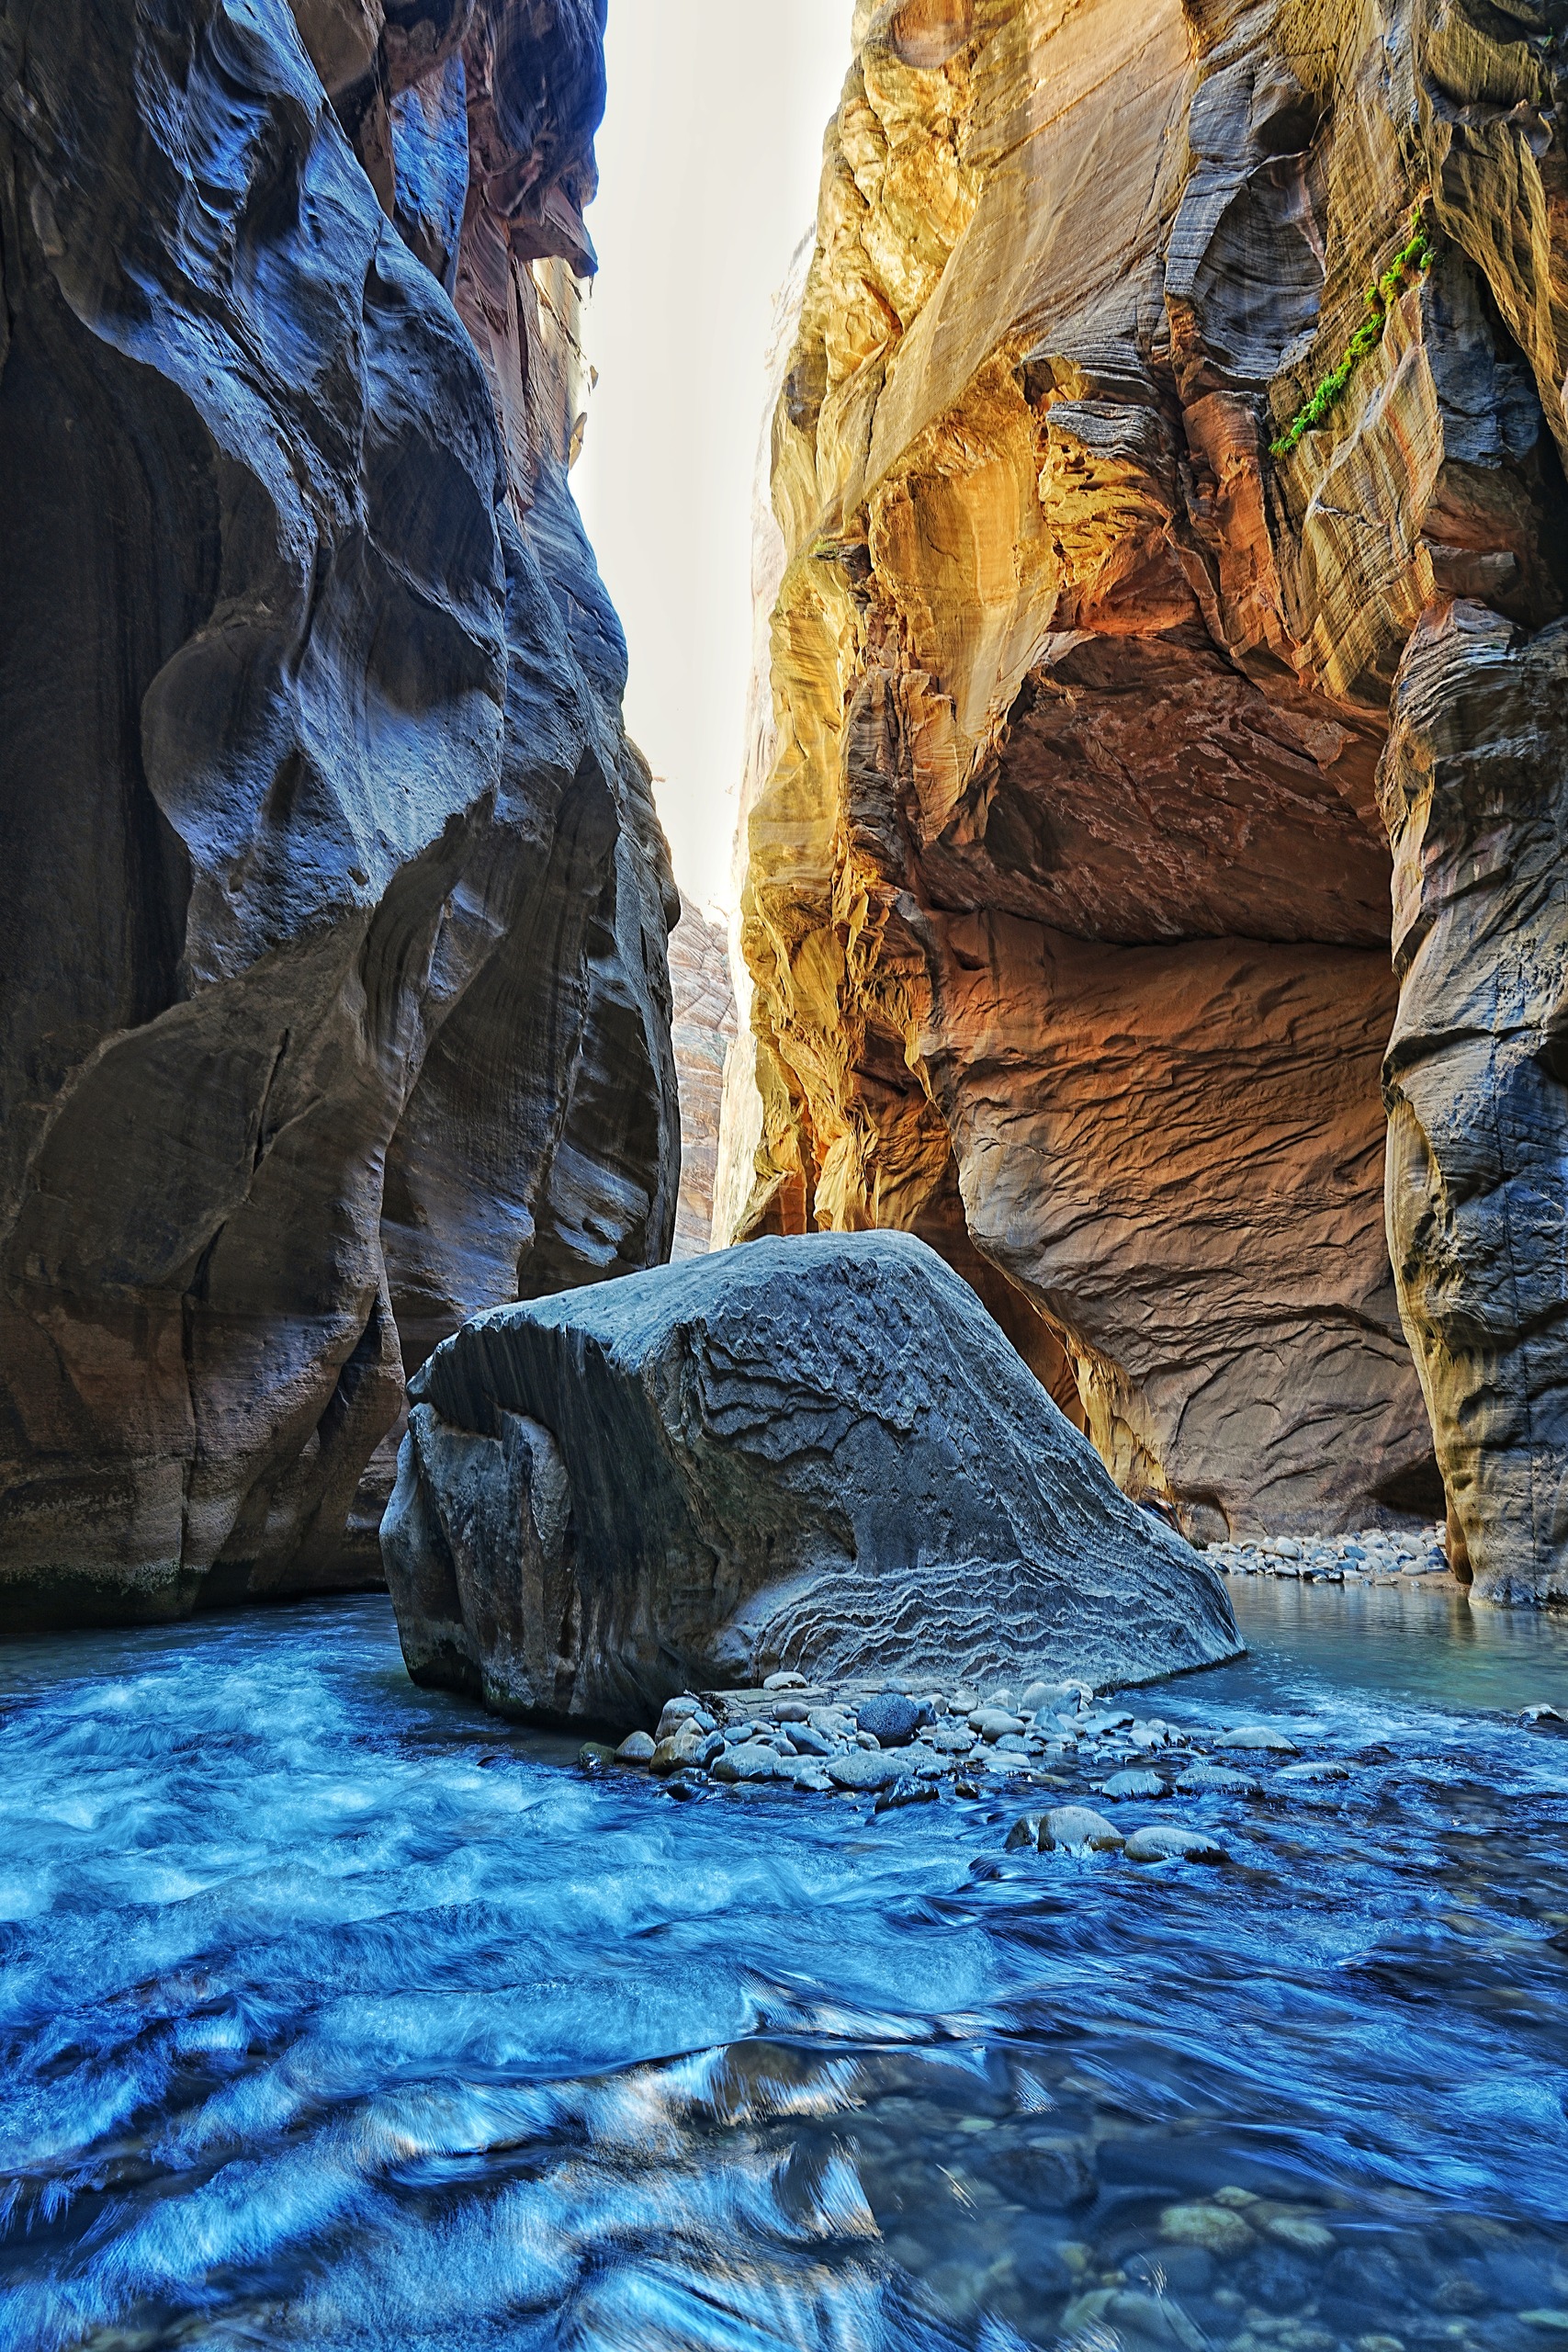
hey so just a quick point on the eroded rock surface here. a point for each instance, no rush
(822, 1457)
(1067, 897)
(702, 1033)
(331, 922)
(1475, 784)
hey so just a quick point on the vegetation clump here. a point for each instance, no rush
(1413, 257)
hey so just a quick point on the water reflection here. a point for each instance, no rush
(336, 2016)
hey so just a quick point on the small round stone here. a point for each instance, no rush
(1136, 1783)
(891, 1720)
(1213, 2227)
(636, 1748)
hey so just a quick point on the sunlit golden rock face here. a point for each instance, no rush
(1067, 908)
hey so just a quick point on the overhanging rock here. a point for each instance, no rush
(817, 1453)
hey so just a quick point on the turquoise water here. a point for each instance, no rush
(335, 2013)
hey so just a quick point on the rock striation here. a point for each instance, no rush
(333, 920)
(818, 1458)
(1167, 464)
(703, 1035)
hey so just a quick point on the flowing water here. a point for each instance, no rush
(335, 2013)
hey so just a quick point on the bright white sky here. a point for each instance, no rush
(708, 161)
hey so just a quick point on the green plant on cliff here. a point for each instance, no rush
(1413, 257)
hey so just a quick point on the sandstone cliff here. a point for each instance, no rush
(1178, 392)
(702, 1033)
(333, 917)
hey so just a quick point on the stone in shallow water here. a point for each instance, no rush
(1167, 1842)
(1133, 1784)
(1077, 1830)
(1214, 2227)
(1300, 2232)
(1259, 1737)
(821, 1448)
(1217, 1780)
(908, 1790)
(636, 1748)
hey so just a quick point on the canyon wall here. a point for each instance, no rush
(332, 919)
(1175, 396)
(702, 1033)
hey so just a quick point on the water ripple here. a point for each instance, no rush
(333, 2015)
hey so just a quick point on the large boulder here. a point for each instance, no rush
(817, 1453)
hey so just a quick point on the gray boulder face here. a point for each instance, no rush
(817, 1454)
(333, 908)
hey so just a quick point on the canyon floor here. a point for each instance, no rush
(336, 2013)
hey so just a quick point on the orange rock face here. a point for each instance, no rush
(1068, 892)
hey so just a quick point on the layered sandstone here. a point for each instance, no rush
(1067, 898)
(702, 1033)
(823, 1458)
(334, 906)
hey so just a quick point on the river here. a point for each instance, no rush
(336, 2014)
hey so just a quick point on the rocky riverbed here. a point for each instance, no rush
(341, 2015)
(1374, 1556)
(1080, 1754)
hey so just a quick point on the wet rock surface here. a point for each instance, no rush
(819, 1456)
(331, 929)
